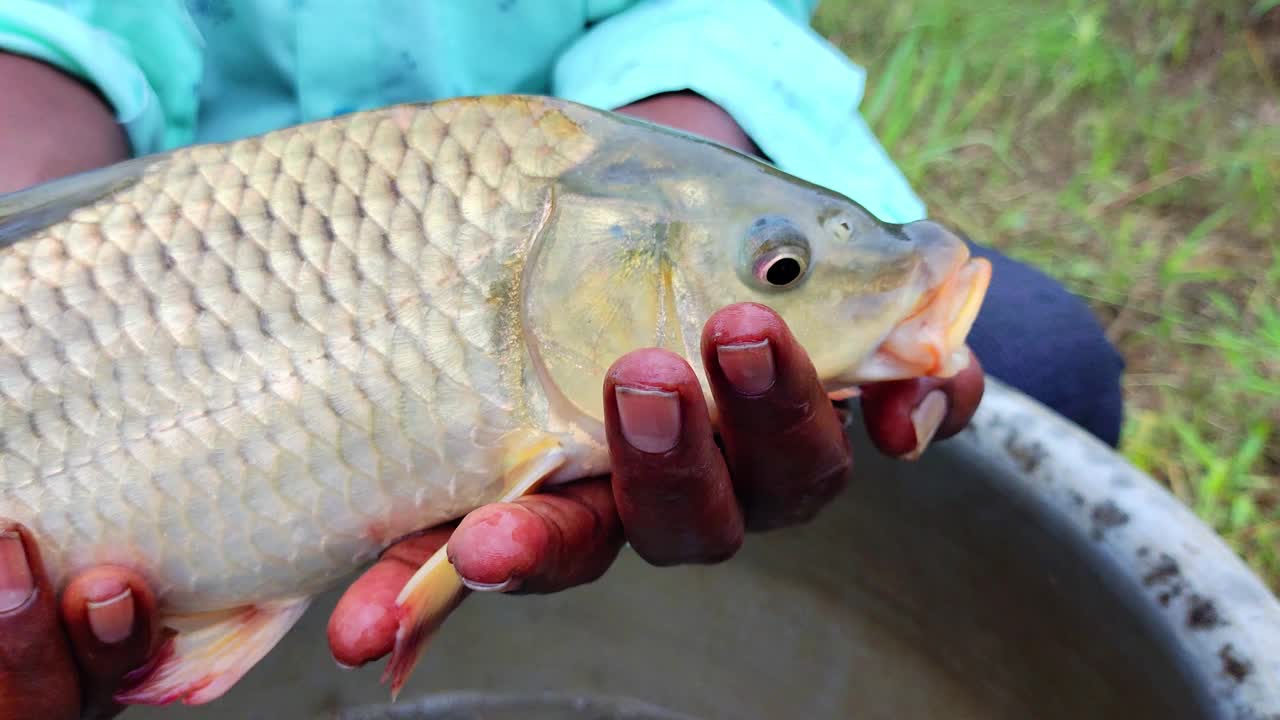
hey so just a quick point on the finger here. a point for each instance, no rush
(363, 625)
(904, 417)
(541, 543)
(573, 538)
(786, 448)
(111, 619)
(37, 673)
(671, 484)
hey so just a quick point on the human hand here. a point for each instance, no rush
(674, 494)
(64, 659)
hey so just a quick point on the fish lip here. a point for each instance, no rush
(973, 278)
(930, 340)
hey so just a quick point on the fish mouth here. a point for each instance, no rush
(930, 341)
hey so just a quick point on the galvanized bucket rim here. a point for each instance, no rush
(1223, 619)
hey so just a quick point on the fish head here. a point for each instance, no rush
(657, 231)
(868, 300)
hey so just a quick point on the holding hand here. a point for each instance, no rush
(674, 494)
(63, 660)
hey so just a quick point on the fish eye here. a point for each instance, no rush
(780, 269)
(778, 253)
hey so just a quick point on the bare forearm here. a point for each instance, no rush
(695, 114)
(51, 125)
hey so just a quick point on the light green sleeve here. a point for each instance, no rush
(794, 93)
(144, 57)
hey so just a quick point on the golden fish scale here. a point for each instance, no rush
(249, 370)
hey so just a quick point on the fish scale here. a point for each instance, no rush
(244, 369)
(269, 281)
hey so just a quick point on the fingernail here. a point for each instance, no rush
(506, 585)
(650, 419)
(926, 418)
(747, 366)
(111, 620)
(16, 583)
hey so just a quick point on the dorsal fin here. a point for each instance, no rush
(26, 211)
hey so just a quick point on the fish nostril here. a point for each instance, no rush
(941, 249)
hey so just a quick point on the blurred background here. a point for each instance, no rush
(1132, 150)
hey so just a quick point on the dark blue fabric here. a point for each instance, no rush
(1035, 335)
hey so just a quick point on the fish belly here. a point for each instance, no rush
(259, 362)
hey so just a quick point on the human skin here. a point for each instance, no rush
(673, 493)
(51, 125)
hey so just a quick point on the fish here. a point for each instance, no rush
(244, 368)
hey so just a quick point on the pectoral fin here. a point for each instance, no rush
(436, 589)
(210, 653)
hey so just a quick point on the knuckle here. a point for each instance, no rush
(797, 418)
(800, 503)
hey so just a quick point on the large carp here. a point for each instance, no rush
(245, 368)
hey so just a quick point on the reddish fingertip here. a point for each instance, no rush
(652, 368)
(111, 617)
(29, 549)
(498, 545)
(747, 325)
(745, 317)
(886, 409)
(743, 323)
(103, 583)
(17, 583)
(110, 612)
(363, 625)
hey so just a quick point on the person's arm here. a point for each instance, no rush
(51, 125)
(690, 112)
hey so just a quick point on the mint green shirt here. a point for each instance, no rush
(180, 72)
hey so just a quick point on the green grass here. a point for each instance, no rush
(1132, 150)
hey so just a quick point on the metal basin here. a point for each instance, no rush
(1022, 570)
